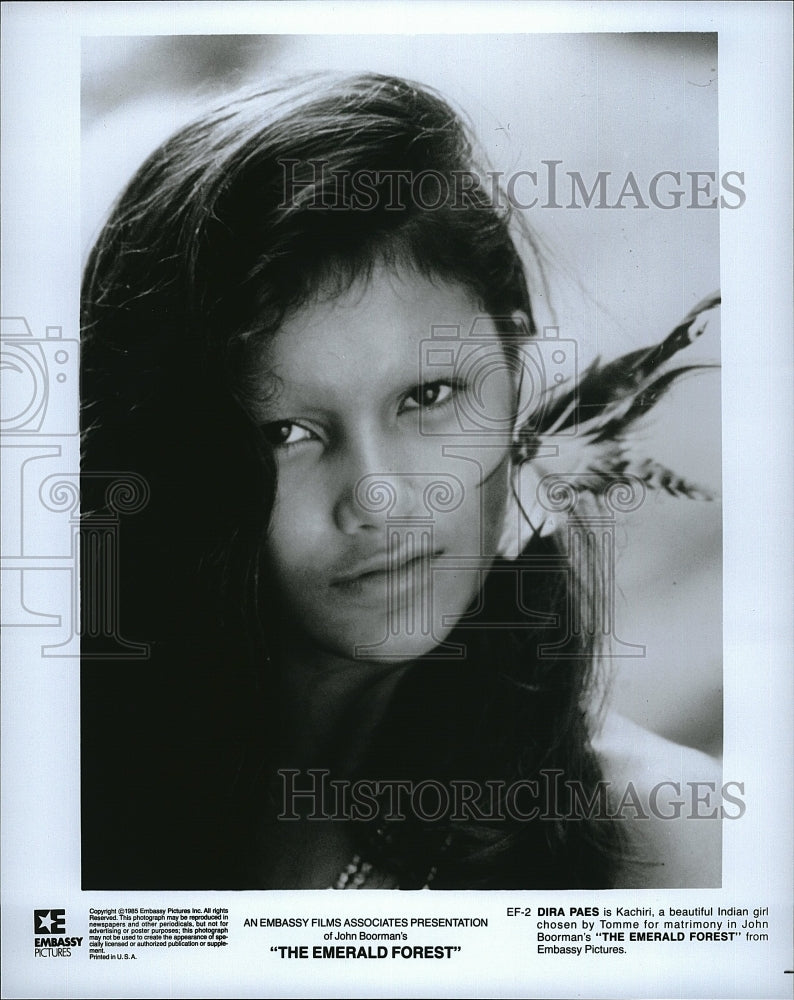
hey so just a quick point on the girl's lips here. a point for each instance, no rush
(381, 565)
(378, 575)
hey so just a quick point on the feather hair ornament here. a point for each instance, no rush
(588, 425)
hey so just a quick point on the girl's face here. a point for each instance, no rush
(392, 442)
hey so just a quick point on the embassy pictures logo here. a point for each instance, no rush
(49, 927)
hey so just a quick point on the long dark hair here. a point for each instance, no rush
(232, 223)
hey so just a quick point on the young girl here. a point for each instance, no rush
(307, 325)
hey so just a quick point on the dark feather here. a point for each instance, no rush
(603, 386)
(652, 474)
(630, 410)
(601, 409)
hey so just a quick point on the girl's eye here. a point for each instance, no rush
(285, 434)
(428, 395)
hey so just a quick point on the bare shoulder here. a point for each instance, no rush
(668, 798)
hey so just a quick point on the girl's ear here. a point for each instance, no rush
(522, 386)
(521, 320)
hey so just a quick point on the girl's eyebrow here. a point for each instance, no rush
(261, 392)
(321, 397)
(313, 383)
(315, 389)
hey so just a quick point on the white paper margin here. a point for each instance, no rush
(40, 750)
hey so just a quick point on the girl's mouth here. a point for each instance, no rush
(388, 576)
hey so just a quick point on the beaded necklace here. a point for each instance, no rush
(359, 873)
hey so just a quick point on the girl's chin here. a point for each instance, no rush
(365, 625)
(400, 642)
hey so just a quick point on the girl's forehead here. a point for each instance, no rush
(382, 321)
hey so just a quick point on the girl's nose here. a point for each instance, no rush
(376, 485)
(372, 499)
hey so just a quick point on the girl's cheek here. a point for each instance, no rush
(302, 525)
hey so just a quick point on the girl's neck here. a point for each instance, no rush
(330, 705)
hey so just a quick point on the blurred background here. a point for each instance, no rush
(618, 279)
